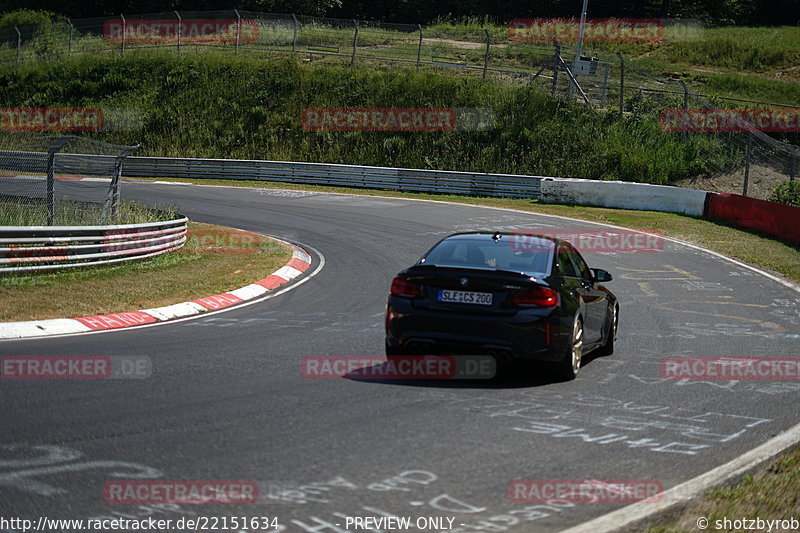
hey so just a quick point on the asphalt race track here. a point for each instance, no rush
(226, 400)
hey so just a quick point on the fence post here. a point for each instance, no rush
(556, 65)
(606, 72)
(112, 200)
(686, 106)
(124, 31)
(793, 164)
(355, 43)
(621, 83)
(419, 48)
(51, 197)
(19, 43)
(747, 157)
(180, 20)
(238, 29)
(294, 39)
(69, 48)
(486, 57)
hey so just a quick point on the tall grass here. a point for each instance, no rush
(245, 107)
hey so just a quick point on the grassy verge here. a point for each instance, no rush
(773, 493)
(214, 260)
(72, 213)
(218, 105)
(779, 257)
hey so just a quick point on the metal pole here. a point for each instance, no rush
(621, 83)
(179, 31)
(355, 43)
(419, 48)
(294, 39)
(556, 65)
(579, 50)
(606, 71)
(486, 57)
(51, 197)
(19, 43)
(69, 49)
(238, 29)
(747, 157)
(686, 105)
(124, 30)
(113, 198)
(574, 81)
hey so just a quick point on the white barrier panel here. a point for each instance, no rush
(623, 195)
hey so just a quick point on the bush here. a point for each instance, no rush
(787, 193)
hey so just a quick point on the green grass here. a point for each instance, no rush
(770, 494)
(218, 105)
(201, 268)
(14, 212)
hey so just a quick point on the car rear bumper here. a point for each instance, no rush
(535, 334)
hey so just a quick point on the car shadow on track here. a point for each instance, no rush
(513, 375)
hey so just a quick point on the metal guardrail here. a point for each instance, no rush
(55, 247)
(395, 179)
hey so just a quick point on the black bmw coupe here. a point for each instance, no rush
(513, 296)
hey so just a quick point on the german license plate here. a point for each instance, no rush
(464, 297)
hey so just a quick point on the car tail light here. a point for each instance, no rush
(404, 288)
(537, 296)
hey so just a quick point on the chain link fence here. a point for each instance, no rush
(748, 162)
(62, 180)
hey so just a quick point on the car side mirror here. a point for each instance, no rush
(601, 275)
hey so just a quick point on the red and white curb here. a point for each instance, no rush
(300, 262)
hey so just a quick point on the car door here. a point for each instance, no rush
(593, 298)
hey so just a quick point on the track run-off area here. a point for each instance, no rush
(226, 399)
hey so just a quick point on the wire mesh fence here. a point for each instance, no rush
(61, 180)
(753, 161)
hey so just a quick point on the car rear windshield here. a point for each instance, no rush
(527, 254)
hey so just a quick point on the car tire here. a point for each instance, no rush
(569, 366)
(608, 347)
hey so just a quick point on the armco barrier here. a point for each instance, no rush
(623, 195)
(778, 220)
(396, 179)
(27, 248)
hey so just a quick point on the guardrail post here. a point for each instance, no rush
(51, 197)
(178, 33)
(19, 43)
(294, 38)
(747, 156)
(621, 83)
(355, 43)
(419, 48)
(69, 48)
(486, 57)
(124, 31)
(238, 29)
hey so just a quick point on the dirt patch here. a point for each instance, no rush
(760, 183)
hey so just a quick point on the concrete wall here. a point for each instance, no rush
(624, 195)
